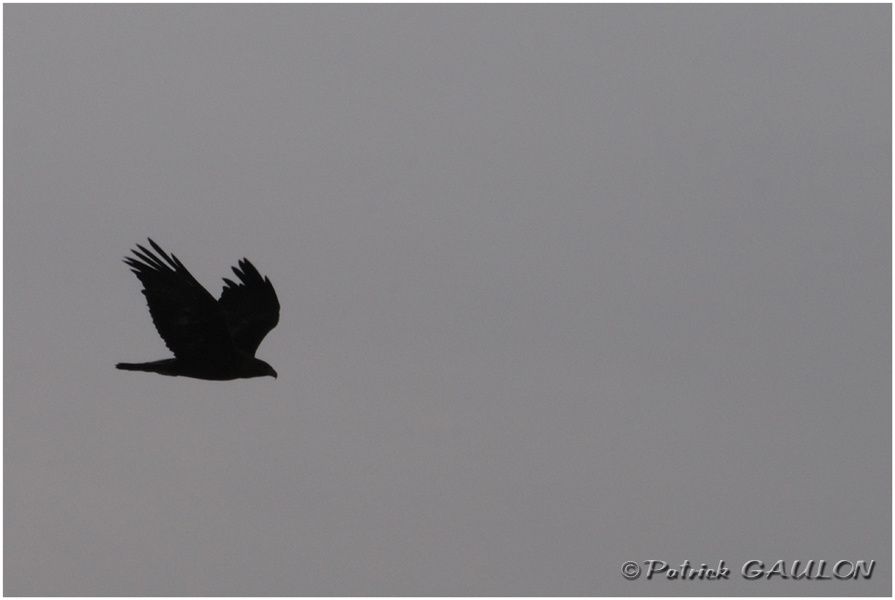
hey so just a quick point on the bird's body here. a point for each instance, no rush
(210, 339)
(237, 369)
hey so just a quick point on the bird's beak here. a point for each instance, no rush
(274, 373)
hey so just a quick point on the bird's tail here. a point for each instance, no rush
(156, 366)
(134, 366)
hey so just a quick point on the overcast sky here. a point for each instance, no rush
(561, 287)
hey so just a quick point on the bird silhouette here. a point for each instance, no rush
(210, 339)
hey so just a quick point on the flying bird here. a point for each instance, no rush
(210, 339)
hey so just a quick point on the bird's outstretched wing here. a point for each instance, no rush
(250, 307)
(186, 315)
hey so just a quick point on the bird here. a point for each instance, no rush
(210, 339)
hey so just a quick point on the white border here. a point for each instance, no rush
(892, 221)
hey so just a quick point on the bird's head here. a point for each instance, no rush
(260, 368)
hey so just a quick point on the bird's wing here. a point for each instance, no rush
(250, 307)
(186, 315)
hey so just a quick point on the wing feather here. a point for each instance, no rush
(186, 316)
(250, 307)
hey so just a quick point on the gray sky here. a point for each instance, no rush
(562, 287)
